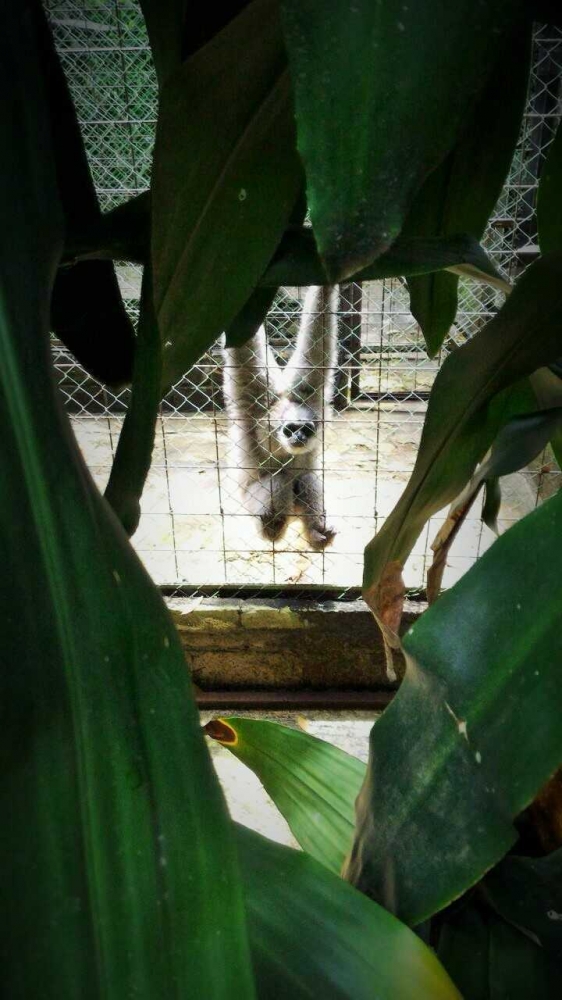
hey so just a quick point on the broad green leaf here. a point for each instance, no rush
(549, 199)
(492, 504)
(88, 315)
(248, 321)
(460, 738)
(253, 314)
(121, 234)
(133, 456)
(547, 387)
(527, 892)
(164, 21)
(460, 194)
(313, 784)
(297, 261)
(108, 852)
(377, 108)
(548, 11)
(489, 960)
(464, 949)
(519, 441)
(226, 178)
(87, 311)
(461, 423)
(312, 935)
(177, 29)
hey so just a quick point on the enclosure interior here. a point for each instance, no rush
(195, 535)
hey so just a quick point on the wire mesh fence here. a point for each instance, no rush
(196, 531)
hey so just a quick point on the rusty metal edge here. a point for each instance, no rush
(302, 699)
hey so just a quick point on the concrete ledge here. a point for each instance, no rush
(267, 644)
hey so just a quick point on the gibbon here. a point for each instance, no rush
(276, 421)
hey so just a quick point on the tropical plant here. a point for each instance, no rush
(122, 873)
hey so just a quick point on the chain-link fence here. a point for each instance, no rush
(196, 532)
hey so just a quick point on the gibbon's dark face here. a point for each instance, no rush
(297, 427)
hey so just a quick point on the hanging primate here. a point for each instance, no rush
(277, 421)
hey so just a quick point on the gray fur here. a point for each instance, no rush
(277, 418)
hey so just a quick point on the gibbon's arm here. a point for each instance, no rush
(250, 377)
(312, 365)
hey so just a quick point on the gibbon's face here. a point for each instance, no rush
(296, 427)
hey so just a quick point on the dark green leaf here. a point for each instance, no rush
(547, 387)
(548, 11)
(87, 312)
(248, 321)
(88, 315)
(297, 261)
(527, 892)
(377, 109)
(108, 855)
(136, 440)
(459, 196)
(204, 21)
(461, 422)
(164, 23)
(460, 738)
(489, 960)
(121, 234)
(314, 936)
(464, 950)
(549, 199)
(313, 784)
(492, 503)
(222, 195)
(519, 441)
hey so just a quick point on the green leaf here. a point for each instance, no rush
(388, 69)
(313, 784)
(492, 504)
(297, 261)
(132, 460)
(489, 960)
(461, 738)
(108, 862)
(87, 311)
(527, 892)
(253, 314)
(519, 441)
(121, 234)
(222, 195)
(547, 387)
(164, 21)
(547, 11)
(549, 199)
(177, 29)
(459, 196)
(461, 423)
(248, 321)
(314, 936)
(88, 315)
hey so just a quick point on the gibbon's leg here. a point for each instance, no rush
(273, 496)
(309, 504)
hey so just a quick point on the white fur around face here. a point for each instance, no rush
(276, 421)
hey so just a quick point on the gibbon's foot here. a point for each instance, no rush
(320, 535)
(273, 526)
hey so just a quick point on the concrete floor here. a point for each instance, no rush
(193, 532)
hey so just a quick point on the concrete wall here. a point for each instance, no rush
(282, 644)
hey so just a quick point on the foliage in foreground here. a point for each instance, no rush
(122, 873)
